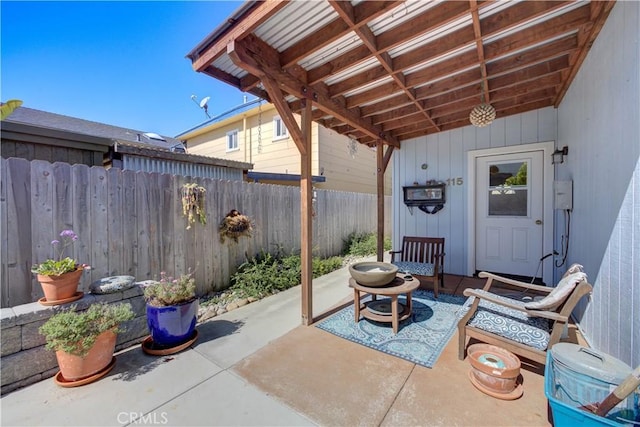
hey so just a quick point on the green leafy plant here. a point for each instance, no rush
(267, 274)
(170, 291)
(60, 264)
(75, 332)
(193, 198)
(364, 244)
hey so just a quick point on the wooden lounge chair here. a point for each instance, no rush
(527, 329)
(422, 257)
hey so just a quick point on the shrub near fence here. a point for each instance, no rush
(131, 223)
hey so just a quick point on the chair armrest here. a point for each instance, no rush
(484, 274)
(532, 313)
(472, 293)
(393, 254)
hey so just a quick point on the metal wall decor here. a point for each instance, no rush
(429, 198)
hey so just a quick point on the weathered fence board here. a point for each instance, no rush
(132, 223)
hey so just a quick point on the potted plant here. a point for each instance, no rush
(172, 308)
(84, 341)
(59, 276)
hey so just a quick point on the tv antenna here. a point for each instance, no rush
(204, 103)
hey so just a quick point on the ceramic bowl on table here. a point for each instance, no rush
(373, 273)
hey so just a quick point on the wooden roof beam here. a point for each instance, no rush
(363, 12)
(431, 19)
(257, 57)
(477, 31)
(347, 13)
(564, 24)
(261, 13)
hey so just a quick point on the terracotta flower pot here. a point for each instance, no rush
(61, 287)
(494, 369)
(74, 368)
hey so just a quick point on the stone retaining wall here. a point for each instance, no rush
(25, 360)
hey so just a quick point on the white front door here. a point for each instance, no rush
(509, 213)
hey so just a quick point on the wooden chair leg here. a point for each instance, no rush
(462, 342)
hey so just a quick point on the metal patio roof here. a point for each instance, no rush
(394, 70)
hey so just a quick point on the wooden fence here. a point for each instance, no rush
(131, 223)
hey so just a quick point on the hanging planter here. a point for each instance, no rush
(193, 204)
(235, 225)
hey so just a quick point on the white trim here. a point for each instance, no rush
(547, 183)
(285, 135)
(235, 132)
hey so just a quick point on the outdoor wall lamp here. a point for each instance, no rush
(558, 155)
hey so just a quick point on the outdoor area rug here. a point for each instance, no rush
(420, 339)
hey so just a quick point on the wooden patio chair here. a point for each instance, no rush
(527, 329)
(422, 257)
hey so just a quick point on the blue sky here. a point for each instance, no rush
(120, 63)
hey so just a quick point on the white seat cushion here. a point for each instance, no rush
(559, 294)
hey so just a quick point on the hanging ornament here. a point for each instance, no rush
(483, 114)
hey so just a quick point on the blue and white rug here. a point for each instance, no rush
(420, 339)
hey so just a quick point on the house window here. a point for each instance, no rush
(279, 129)
(232, 140)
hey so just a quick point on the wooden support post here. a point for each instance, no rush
(380, 167)
(306, 220)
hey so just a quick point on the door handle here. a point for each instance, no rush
(538, 222)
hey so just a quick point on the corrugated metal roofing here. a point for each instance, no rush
(399, 52)
(295, 21)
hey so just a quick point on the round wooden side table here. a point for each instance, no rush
(398, 286)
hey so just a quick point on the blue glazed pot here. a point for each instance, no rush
(173, 325)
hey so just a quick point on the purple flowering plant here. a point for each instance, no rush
(59, 264)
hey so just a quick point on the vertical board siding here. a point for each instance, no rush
(445, 154)
(131, 223)
(599, 124)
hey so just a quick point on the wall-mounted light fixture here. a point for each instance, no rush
(558, 155)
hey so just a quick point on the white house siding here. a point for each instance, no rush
(344, 172)
(445, 154)
(599, 122)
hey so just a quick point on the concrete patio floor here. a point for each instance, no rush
(258, 366)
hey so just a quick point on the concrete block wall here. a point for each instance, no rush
(24, 358)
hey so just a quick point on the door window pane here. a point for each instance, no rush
(508, 189)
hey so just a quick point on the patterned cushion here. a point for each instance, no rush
(419, 268)
(511, 324)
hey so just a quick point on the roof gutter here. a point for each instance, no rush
(221, 29)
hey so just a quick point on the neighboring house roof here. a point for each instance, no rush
(220, 117)
(58, 121)
(86, 134)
